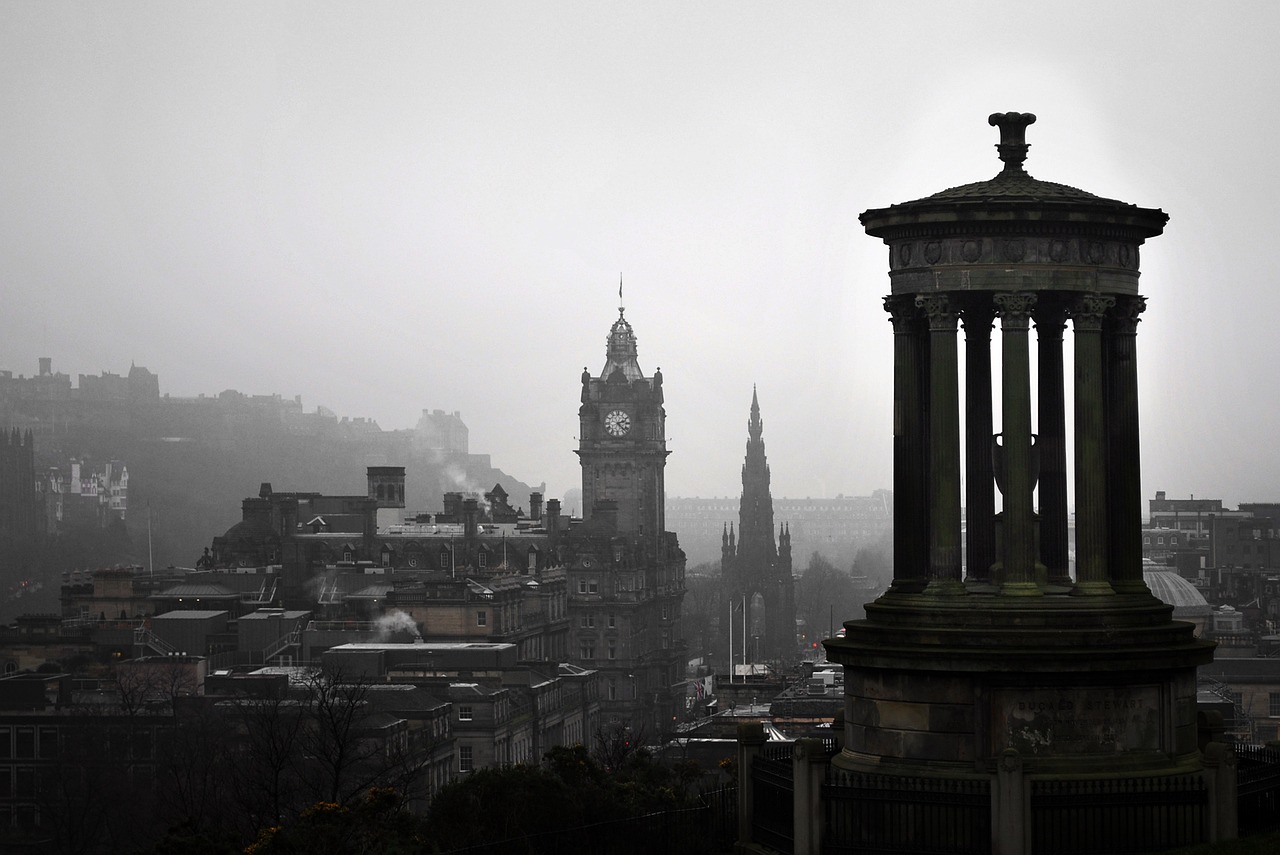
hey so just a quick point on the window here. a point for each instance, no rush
(444, 559)
(613, 690)
(465, 761)
(1273, 704)
(482, 618)
(613, 621)
(1160, 540)
(482, 559)
(25, 747)
(582, 586)
(587, 650)
(48, 743)
(587, 621)
(613, 650)
(346, 556)
(25, 782)
(465, 713)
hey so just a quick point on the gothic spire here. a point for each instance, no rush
(755, 426)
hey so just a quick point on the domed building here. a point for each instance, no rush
(1187, 601)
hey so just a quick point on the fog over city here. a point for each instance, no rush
(385, 207)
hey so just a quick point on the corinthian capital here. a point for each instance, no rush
(1015, 309)
(903, 313)
(1124, 317)
(942, 315)
(1088, 311)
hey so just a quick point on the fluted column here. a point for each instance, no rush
(1052, 442)
(1090, 445)
(979, 490)
(1018, 547)
(910, 501)
(944, 445)
(1124, 493)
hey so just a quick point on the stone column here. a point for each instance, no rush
(809, 763)
(1090, 444)
(751, 741)
(1124, 489)
(979, 492)
(1018, 567)
(1052, 443)
(944, 445)
(910, 500)
(1220, 777)
(1009, 827)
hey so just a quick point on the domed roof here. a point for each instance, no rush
(1171, 589)
(249, 530)
(1014, 192)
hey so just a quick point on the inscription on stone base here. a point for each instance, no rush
(1070, 721)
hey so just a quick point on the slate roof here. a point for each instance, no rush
(195, 591)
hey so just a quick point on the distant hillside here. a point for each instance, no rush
(191, 461)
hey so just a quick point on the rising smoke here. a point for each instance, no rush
(396, 621)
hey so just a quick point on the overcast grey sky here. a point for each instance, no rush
(385, 207)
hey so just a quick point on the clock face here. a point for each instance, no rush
(617, 423)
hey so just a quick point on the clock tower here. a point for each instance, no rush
(622, 443)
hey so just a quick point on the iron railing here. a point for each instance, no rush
(1257, 789)
(772, 799)
(1118, 815)
(870, 813)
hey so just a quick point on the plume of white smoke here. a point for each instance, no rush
(396, 621)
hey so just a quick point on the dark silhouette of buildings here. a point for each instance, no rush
(755, 570)
(602, 593)
(21, 506)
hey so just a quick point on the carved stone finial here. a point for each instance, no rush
(1013, 137)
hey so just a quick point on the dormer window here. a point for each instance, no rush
(482, 558)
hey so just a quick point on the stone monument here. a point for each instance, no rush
(991, 662)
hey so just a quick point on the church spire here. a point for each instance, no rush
(755, 426)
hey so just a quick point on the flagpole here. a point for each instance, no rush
(730, 605)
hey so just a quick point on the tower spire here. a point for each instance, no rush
(755, 427)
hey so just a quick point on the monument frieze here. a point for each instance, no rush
(1057, 250)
